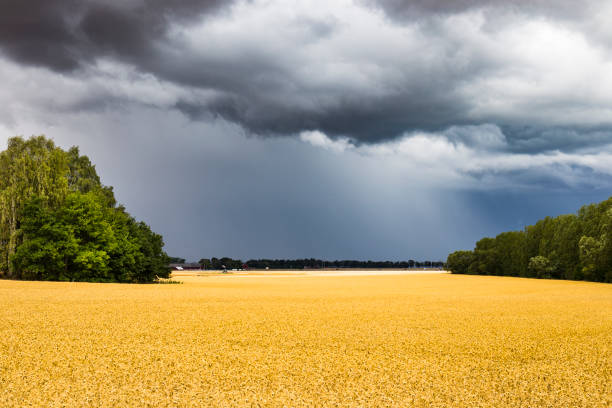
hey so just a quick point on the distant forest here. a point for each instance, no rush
(574, 246)
(311, 263)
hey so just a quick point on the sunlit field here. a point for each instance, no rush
(430, 340)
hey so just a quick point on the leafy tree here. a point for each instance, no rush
(459, 261)
(33, 167)
(541, 267)
(565, 247)
(48, 246)
(510, 252)
(73, 239)
(83, 177)
(152, 260)
(485, 261)
(58, 222)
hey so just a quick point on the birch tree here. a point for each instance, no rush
(32, 167)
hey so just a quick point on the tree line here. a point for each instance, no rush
(573, 246)
(310, 263)
(59, 222)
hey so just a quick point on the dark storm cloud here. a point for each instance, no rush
(366, 121)
(64, 34)
(346, 72)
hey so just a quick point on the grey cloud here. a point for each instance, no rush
(256, 90)
(585, 16)
(551, 178)
(368, 121)
(485, 137)
(409, 9)
(530, 139)
(281, 78)
(64, 34)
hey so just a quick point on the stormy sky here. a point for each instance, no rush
(364, 129)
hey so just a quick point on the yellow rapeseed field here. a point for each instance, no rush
(372, 341)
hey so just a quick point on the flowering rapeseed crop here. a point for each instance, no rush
(412, 340)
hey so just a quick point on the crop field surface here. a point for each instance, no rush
(397, 340)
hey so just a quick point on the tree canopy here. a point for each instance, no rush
(573, 246)
(58, 222)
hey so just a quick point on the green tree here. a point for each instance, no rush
(485, 260)
(58, 222)
(541, 267)
(565, 247)
(74, 240)
(47, 248)
(459, 261)
(152, 261)
(33, 167)
(511, 253)
(83, 177)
